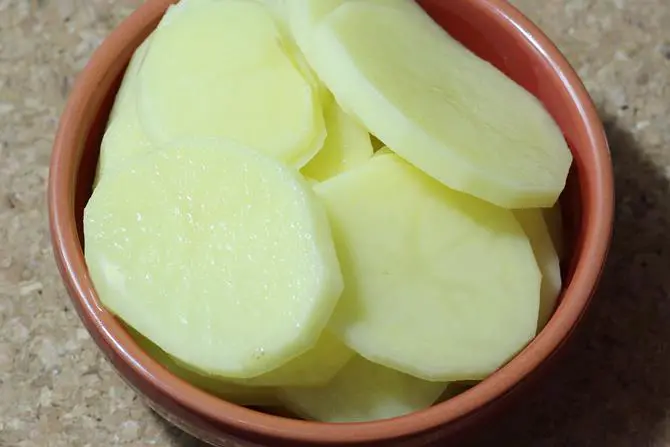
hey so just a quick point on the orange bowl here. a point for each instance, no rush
(495, 31)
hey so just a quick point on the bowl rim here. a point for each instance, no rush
(70, 259)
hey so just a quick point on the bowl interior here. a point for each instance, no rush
(495, 31)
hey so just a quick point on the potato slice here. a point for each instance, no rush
(434, 102)
(127, 94)
(347, 145)
(219, 254)
(123, 138)
(281, 12)
(554, 221)
(221, 69)
(533, 223)
(438, 284)
(315, 367)
(362, 391)
(383, 151)
(238, 394)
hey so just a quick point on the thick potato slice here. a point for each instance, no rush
(223, 388)
(347, 145)
(438, 105)
(220, 255)
(315, 367)
(222, 69)
(554, 221)
(362, 391)
(438, 284)
(533, 223)
(126, 96)
(383, 151)
(123, 138)
(280, 10)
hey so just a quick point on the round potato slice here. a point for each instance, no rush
(554, 220)
(223, 388)
(220, 255)
(435, 103)
(126, 96)
(438, 284)
(315, 367)
(124, 138)
(363, 391)
(222, 69)
(533, 223)
(347, 145)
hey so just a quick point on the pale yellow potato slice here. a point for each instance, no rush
(533, 223)
(315, 367)
(363, 391)
(281, 12)
(347, 145)
(221, 69)
(439, 106)
(218, 386)
(438, 284)
(127, 94)
(383, 150)
(220, 255)
(554, 221)
(304, 15)
(124, 138)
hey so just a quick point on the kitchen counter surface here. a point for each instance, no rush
(614, 386)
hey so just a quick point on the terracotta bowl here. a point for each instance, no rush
(491, 28)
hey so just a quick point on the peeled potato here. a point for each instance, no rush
(222, 69)
(220, 255)
(554, 221)
(280, 10)
(127, 94)
(533, 223)
(315, 367)
(438, 105)
(383, 150)
(347, 145)
(124, 138)
(238, 394)
(304, 15)
(362, 391)
(438, 284)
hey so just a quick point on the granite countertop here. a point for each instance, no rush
(613, 388)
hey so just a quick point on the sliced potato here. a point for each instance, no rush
(383, 150)
(281, 12)
(533, 223)
(438, 105)
(315, 367)
(362, 391)
(347, 145)
(304, 15)
(220, 255)
(126, 96)
(221, 69)
(438, 284)
(123, 138)
(238, 394)
(554, 221)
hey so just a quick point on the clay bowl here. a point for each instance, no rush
(491, 28)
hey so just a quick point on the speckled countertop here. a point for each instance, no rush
(614, 388)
